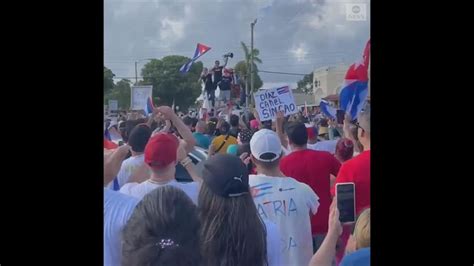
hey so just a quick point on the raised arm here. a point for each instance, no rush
(327, 251)
(187, 163)
(182, 129)
(113, 162)
(280, 119)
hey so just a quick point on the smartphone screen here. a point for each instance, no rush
(340, 116)
(345, 193)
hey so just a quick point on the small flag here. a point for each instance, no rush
(283, 90)
(355, 88)
(109, 144)
(327, 110)
(149, 106)
(200, 50)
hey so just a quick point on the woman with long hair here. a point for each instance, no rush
(232, 232)
(162, 230)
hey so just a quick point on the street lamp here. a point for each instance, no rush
(136, 73)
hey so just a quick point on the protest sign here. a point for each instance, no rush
(113, 105)
(139, 97)
(269, 102)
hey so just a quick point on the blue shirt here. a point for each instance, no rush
(360, 257)
(202, 140)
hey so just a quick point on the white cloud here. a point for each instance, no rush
(171, 30)
(292, 36)
(299, 53)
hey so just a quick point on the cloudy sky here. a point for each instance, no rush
(293, 36)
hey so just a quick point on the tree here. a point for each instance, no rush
(121, 93)
(168, 83)
(241, 69)
(241, 66)
(247, 54)
(306, 84)
(108, 79)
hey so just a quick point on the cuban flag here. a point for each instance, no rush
(355, 87)
(327, 110)
(149, 106)
(283, 90)
(200, 50)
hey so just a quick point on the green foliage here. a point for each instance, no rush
(306, 84)
(241, 69)
(241, 66)
(108, 79)
(121, 93)
(168, 83)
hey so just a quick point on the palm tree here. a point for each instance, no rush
(241, 68)
(256, 52)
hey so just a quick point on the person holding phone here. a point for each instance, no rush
(360, 250)
(357, 171)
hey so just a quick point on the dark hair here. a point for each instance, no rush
(165, 213)
(268, 165)
(245, 147)
(234, 120)
(297, 133)
(139, 137)
(188, 121)
(225, 127)
(267, 124)
(232, 232)
(129, 126)
(211, 126)
(195, 121)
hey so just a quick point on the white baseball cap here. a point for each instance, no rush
(265, 145)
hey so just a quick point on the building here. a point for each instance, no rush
(327, 82)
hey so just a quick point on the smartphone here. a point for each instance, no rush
(345, 193)
(340, 116)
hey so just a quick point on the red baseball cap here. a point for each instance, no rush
(161, 150)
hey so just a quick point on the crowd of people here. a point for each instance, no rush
(264, 196)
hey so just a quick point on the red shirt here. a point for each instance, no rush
(357, 170)
(314, 169)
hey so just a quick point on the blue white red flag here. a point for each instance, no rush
(200, 50)
(327, 110)
(283, 90)
(149, 106)
(355, 87)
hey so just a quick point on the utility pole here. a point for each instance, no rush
(252, 25)
(136, 71)
(249, 93)
(136, 75)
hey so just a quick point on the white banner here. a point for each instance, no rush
(113, 105)
(139, 97)
(269, 102)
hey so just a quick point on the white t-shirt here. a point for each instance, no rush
(139, 190)
(273, 244)
(129, 166)
(117, 210)
(326, 145)
(287, 203)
